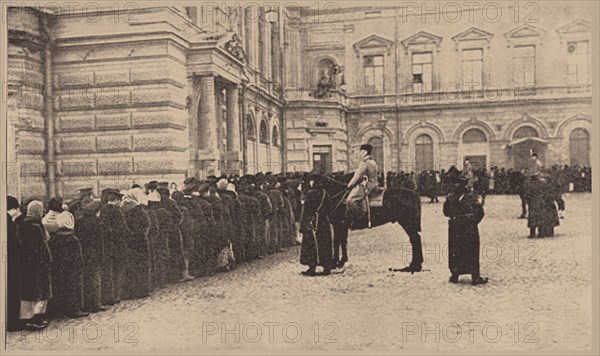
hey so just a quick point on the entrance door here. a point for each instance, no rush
(322, 163)
(477, 162)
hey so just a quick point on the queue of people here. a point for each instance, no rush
(69, 260)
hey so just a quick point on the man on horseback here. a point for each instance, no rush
(356, 202)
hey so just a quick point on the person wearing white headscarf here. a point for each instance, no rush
(67, 268)
(137, 262)
(36, 287)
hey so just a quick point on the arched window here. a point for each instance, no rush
(264, 132)
(579, 147)
(474, 136)
(424, 153)
(377, 143)
(275, 137)
(250, 131)
(525, 131)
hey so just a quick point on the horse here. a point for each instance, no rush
(400, 205)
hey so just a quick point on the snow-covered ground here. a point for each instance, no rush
(538, 298)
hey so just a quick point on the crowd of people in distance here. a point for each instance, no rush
(501, 181)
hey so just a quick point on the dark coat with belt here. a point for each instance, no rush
(35, 261)
(67, 271)
(465, 213)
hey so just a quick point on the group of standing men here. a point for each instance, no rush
(78, 258)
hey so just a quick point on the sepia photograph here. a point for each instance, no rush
(306, 178)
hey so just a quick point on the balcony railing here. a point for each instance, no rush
(443, 97)
(474, 96)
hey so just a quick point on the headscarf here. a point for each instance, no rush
(35, 210)
(154, 197)
(66, 220)
(135, 196)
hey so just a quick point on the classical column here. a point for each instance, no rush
(233, 119)
(208, 129)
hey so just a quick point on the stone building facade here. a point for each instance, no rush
(432, 84)
(103, 97)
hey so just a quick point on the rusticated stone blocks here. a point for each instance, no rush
(76, 123)
(114, 143)
(77, 145)
(159, 142)
(113, 121)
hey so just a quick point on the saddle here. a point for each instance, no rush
(376, 197)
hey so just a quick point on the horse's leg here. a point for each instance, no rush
(341, 241)
(344, 246)
(336, 244)
(417, 250)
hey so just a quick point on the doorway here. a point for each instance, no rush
(322, 162)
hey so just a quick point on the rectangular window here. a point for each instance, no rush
(373, 68)
(472, 69)
(524, 66)
(578, 63)
(422, 68)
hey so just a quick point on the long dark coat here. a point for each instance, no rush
(116, 241)
(206, 249)
(249, 217)
(138, 264)
(67, 271)
(463, 233)
(288, 228)
(169, 220)
(35, 261)
(13, 280)
(186, 229)
(265, 211)
(222, 219)
(91, 233)
(234, 205)
(317, 239)
(277, 220)
(541, 197)
(159, 245)
(194, 232)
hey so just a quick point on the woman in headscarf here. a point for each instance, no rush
(67, 268)
(36, 289)
(137, 278)
(55, 207)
